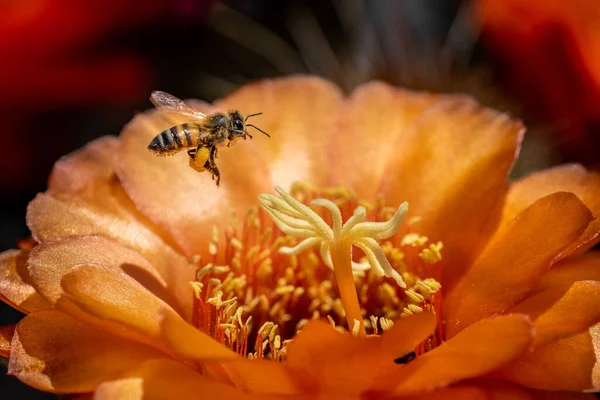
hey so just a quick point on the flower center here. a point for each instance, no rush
(292, 260)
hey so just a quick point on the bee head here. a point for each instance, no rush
(237, 127)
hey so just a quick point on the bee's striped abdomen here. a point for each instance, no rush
(174, 139)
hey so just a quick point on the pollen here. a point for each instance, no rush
(311, 253)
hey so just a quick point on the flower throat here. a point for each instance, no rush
(262, 283)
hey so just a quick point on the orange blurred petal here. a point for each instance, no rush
(565, 364)
(6, 334)
(48, 263)
(299, 114)
(479, 349)
(56, 353)
(367, 124)
(112, 296)
(15, 284)
(348, 365)
(565, 178)
(451, 166)
(514, 261)
(50, 219)
(166, 379)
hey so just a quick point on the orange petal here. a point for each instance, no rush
(56, 353)
(83, 171)
(565, 364)
(574, 312)
(348, 365)
(6, 334)
(48, 263)
(451, 166)
(367, 124)
(299, 113)
(565, 178)
(114, 297)
(50, 219)
(514, 261)
(479, 349)
(166, 379)
(254, 376)
(564, 274)
(15, 283)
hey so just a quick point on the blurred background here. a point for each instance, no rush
(71, 71)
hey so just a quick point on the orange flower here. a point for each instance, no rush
(149, 282)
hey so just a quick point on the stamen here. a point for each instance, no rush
(296, 219)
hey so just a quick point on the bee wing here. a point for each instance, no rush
(168, 103)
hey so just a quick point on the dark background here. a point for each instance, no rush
(71, 71)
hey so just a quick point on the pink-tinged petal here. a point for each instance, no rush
(113, 298)
(299, 113)
(322, 352)
(567, 364)
(166, 379)
(515, 260)
(6, 334)
(86, 170)
(479, 349)
(574, 312)
(50, 219)
(565, 178)
(56, 353)
(49, 262)
(186, 203)
(15, 285)
(451, 166)
(367, 126)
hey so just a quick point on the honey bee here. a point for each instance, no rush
(201, 135)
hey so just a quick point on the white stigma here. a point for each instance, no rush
(298, 220)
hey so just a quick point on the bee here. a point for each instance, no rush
(201, 135)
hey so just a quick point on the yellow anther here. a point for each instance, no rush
(266, 235)
(285, 290)
(195, 259)
(432, 254)
(414, 309)
(356, 327)
(252, 252)
(236, 244)
(374, 320)
(265, 329)
(214, 234)
(264, 254)
(413, 239)
(331, 321)
(385, 323)
(414, 220)
(414, 296)
(212, 248)
(197, 288)
(277, 342)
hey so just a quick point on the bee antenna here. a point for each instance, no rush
(258, 129)
(252, 115)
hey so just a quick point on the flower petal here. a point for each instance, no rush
(567, 272)
(574, 312)
(116, 298)
(566, 364)
(479, 349)
(253, 376)
(299, 113)
(166, 379)
(349, 365)
(50, 219)
(49, 262)
(451, 167)
(56, 353)
(374, 116)
(6, 334)
(567, 178)
(514, 261)
(15, 284)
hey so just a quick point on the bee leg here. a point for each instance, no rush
(213, 167)
(249, 135)
(199, 158)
